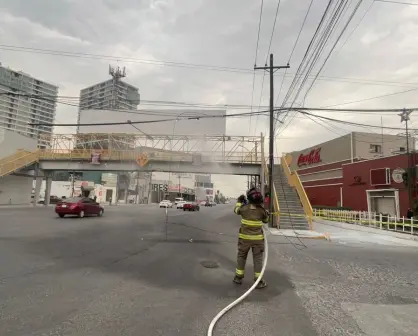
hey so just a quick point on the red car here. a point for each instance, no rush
(79, 206)
(191, 207)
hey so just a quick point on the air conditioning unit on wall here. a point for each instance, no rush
(380, 177)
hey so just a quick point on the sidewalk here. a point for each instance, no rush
(306, 234)
(336, 229)
(23, 206)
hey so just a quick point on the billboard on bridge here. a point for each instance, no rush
(176, 124)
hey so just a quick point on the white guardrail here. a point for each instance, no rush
(370, 219)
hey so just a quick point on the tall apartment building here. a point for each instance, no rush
(100, 96)
(19, 105)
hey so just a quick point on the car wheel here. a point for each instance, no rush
(100, 214)
(184, 209)
(81, 214)
(61, 215)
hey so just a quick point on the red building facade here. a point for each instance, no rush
(366, 185)
(333, 175)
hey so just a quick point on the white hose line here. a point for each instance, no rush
(243, 296)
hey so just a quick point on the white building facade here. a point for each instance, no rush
(15, 189)
(101, 96)
(25, 99)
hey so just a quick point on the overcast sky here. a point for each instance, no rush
(378, 58)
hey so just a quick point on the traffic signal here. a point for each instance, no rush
(405, 178)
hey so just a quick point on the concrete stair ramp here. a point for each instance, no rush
(292, 214)
(17, 161)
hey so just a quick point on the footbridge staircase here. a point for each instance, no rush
(291, 204)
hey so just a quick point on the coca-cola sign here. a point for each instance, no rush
(314, 156)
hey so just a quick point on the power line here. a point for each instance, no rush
(255, 59)
(333, 47)
(397, 2)
(191, 65)
(351, 123)
(372, 98)
(121, 58)
(193, 113)
(294, 47)
(303, 111)
(268, 52)
(302, 67)
(274, 27)
(355, 28)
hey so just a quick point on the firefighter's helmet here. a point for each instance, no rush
(254, 196)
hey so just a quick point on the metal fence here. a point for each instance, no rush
(370, 219)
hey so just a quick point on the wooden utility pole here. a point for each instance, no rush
(271, 69)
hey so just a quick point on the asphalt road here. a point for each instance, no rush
(130, 273)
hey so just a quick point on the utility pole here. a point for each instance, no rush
(137, 187)
(116, 74)
(405, 117)
(271, 69)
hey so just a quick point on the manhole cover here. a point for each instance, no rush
(209, 264)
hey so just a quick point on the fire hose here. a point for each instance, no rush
(243, 296)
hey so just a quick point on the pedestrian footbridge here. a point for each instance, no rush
(238, 155)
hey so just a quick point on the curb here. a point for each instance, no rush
(324, 236)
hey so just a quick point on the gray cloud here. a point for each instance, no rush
(219, 33)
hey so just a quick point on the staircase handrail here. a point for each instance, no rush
(294, 181)
(276, 205)
(17, 163)
(18, 154)
(275, 199)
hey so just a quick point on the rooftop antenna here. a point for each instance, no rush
(116, 73)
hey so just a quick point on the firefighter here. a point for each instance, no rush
(251, 236)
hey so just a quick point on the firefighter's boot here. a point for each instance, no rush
(261, 284)
(237, 280)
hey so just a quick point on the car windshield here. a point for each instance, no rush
(72, 200)
(165, 201)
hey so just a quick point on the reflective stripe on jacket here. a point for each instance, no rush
(252, 219)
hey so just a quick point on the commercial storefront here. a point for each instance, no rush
(162, 190)
(359, 171)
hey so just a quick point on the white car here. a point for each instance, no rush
(166, 204)
(180, 204)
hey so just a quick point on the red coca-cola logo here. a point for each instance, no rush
(314, 156)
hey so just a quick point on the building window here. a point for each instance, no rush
(375, 148)
(402, 149)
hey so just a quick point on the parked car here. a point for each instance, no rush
(79, 206)
(208, 204)
(191, 207)
(166, 204)
(180, 204)
(52, 200)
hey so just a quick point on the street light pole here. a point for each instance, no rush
(271, 69)
(405, 117)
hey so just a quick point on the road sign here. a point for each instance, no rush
(142, 159)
